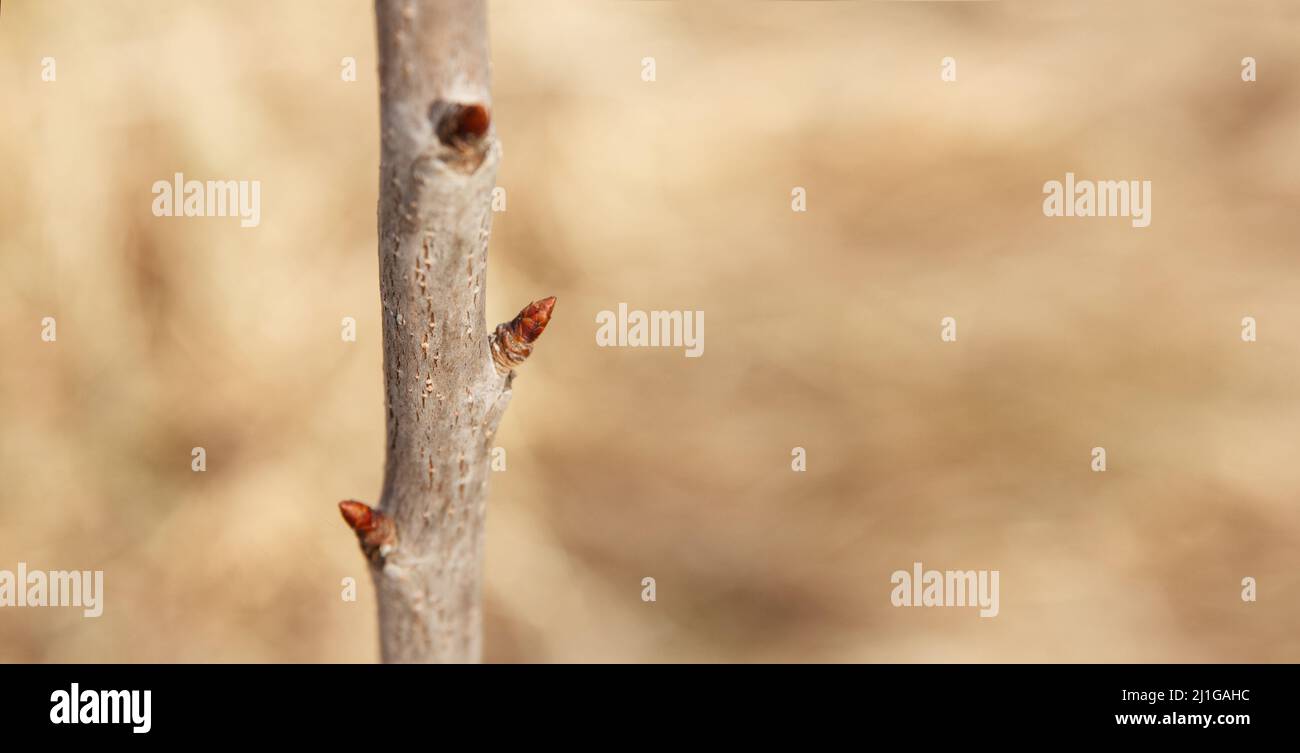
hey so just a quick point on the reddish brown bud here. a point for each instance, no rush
(357, 514)
(474, 121)
(375, 530)
(512, 342)
(461, 125)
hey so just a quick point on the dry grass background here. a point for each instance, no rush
(821, 330)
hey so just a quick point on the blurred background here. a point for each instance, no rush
(822, 330)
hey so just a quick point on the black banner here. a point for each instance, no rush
(365, 703)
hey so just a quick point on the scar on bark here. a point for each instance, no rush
(512, 342)
(375, 530)
(462, 127)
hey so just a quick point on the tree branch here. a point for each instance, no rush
(445, 392)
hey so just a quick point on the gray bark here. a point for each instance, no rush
(444, 397)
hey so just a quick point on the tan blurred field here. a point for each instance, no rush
(822, 331)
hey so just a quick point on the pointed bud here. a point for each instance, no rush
(357, 514)
(374, 529)
(512, 342)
